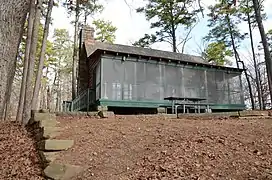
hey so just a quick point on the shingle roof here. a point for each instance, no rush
(132, 50)
(143, 52)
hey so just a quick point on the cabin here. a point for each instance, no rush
(120, 77)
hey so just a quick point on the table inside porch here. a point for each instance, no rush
(186, 101)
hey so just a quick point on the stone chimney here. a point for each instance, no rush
(88, 35)
(87, 38)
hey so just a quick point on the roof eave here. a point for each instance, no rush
(102, 51)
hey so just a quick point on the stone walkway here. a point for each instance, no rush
(46, 130)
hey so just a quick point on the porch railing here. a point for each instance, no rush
(82, 102)
(66, 106)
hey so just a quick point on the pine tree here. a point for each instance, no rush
(79, 8)
(62, 46)
(42, 55)
(246, 13)
(223, 23)
(217, 53)
(268, 58)
(166, 17)
(31, 64)
(105, 31)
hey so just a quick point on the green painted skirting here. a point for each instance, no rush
(156, 104)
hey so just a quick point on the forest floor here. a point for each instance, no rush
(18, 156)
(156, 147)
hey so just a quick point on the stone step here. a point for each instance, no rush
(51, 132)
(254, 117)
(48, 157)
(44, 119)
(48, 123)
(44, 110)
(44, 116)
(46, 133)
(55, 145)
(77, 113)
(102, 108)
(105, 114)
(253, 113)
(62, 171)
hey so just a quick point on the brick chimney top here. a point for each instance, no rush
(88, 35)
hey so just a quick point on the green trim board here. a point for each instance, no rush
(156, 104)
(130, 103)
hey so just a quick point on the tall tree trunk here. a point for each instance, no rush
(75, 52)
(232, 41)
(268, 59)
(263, 98)
(60, 99)
(41, 102)
(237, 58)
(48, 99)
(58, 87)
(85, 17)
(31, 63)
(12, 17)
(174, 39)
(31, 17)
(44, 97)
(249, 85)
(57, 102)
(42, 55)
(173, 29)
(58, 90)
(44, 92)
(261, 88)
(11, 78)
(254, 60)
(55, 90)
(9, 108)
(9, 89)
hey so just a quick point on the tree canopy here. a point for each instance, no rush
(217, 53)
(166, 17)
(105, 31)
(223, 22)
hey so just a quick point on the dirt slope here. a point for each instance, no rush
(139, 147)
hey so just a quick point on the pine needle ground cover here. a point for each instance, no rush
(154, 147)
(18, 156)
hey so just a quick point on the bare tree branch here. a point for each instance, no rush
(200, 7)
(130, 7)
(187, 38)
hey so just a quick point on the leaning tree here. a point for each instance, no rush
(12, 19)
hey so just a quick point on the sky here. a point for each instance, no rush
(132, 26)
